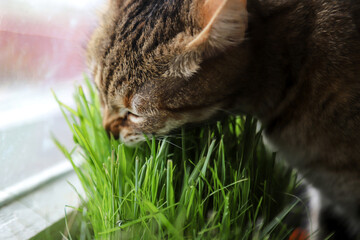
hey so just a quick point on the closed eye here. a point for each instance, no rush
(134, 118)
(126, 114)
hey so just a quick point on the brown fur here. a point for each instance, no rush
(161, 64)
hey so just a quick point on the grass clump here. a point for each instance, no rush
(214, 182)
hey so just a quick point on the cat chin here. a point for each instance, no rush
(133, 140)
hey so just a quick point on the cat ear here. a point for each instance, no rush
(223, 24)
(184, 65)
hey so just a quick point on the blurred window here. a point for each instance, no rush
(42, 47)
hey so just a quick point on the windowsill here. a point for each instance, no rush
(30, 116)
(31, 214)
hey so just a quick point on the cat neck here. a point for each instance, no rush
(276, 41)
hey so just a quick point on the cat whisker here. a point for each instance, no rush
(171, 143)
(227, 111)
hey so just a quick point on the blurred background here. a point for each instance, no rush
(42, 47)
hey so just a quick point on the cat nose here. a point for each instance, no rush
(112, 128)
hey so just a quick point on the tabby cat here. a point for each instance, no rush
(293, 64)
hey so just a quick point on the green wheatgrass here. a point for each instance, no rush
(214, 182)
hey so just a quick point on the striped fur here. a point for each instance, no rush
(161, 64)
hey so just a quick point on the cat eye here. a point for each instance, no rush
(134, 117)
(126, 114)
(131, 115)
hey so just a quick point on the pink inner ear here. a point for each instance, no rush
(221, 20)
(209, 9)
(207, 13)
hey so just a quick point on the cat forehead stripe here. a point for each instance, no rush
(141, 28)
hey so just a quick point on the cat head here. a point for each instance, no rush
(161, 64)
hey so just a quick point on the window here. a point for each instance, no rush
(42, 48)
